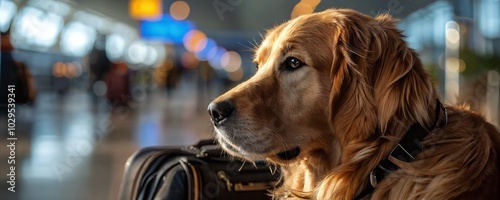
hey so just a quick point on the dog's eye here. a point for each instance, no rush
(292, 63)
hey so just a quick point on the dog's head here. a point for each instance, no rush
(314, 84)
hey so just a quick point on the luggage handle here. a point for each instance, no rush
(241, 187)
(205, 142)
(205, 148)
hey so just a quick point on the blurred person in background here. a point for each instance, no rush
(99, 65)
(14, 73)
(117, 81)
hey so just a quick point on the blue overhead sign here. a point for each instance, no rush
(165, 29)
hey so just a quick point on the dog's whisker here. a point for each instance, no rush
(270, 169)
(249, 48)
(273, 169)
(243, 164)
(254, 165)
(255, 44)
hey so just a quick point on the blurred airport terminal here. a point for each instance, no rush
(99, 79)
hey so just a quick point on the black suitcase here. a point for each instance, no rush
(195, 172)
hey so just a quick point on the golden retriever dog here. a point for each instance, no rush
(333, 97)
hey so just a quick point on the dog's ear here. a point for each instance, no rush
(403, 90)
(351, 101)
(377, 80)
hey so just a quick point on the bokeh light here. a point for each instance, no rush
(312, 3)
(59, 69)
(304, 7)
(145, 9)
(7, 11)
(195, 41)
(100, 88)
(231, 61)
(67, 70)
(35, 29)
(151, 57)
(453, 64)
(115, 46)
(301, 9)
(165, 29)
(78, 69)
(70, 71)
(137, 52)
(77, 39)
(162, 54)
(215, 57)
(179, 10)
(207, 52)
(452, 35)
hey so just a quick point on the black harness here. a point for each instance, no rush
(406, 150)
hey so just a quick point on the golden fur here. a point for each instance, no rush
(360, 90)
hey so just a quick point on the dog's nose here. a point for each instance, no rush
(220, 110)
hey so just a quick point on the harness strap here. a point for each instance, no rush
(406, 150)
